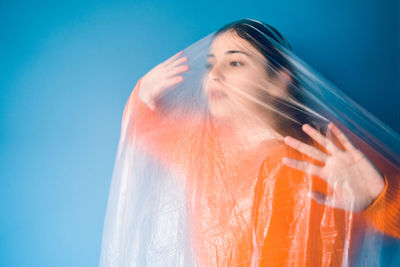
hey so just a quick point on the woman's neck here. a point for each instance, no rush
(250, 131)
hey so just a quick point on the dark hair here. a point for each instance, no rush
(259, 35)
(271, 43)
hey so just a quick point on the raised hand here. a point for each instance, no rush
(353, 180)
(162, 77)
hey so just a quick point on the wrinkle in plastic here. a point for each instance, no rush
(229, 157)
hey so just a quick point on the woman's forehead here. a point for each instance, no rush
(231, 41)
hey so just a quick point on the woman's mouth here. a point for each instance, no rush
(217, 94)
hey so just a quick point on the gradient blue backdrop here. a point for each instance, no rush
(68, 67)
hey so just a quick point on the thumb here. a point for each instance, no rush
(322, 198)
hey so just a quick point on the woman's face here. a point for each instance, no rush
(237, 74)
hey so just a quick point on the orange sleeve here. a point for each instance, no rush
(129, 105)
(144, 124)
(135, 109)
(384, 212)
(289, 226)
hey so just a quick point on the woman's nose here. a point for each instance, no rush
(215, 74)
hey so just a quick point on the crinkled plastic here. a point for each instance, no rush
(234, 152)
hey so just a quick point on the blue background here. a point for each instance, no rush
(68, 67)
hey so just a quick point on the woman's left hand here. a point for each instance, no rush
(354, 181)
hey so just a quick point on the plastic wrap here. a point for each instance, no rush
(234, 152)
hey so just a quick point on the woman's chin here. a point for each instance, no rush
(220, 113)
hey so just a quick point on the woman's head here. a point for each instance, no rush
(249, 75)
(263, 37)
(245, 65)
(236, 73)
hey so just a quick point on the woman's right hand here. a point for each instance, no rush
(161, 78)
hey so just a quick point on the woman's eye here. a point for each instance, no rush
(236, 63)
(208, 66)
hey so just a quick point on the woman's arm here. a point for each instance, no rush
(150, 129)
(166, 137)
(143, 99)
(355, 183)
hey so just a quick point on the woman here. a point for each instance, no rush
(257, 185)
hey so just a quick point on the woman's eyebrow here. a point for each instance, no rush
(231, 52)
(235, 52)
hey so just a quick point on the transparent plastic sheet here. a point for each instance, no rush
(206, 174)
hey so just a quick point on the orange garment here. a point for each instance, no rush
(249, 208)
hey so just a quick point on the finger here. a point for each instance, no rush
(167, 83)
(318, 197)
(179, 61)
(171, 59)
(172, 82)
(340, 135)
(304, 166)
(165, 86)
(306, 149)
(177, 70)
(319, 138)
(323, 199)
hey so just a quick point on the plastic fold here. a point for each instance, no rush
(235, 152)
